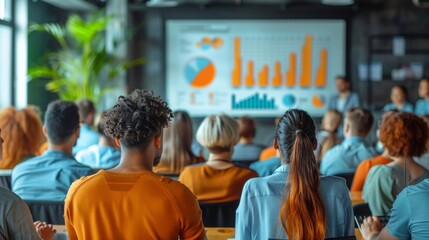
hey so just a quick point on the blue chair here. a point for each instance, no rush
(5, 178)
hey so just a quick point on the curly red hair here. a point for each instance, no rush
(405, 134)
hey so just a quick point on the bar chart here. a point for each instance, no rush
(278, 79)
(253, 102)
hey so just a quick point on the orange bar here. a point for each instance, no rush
(321, 71)
(291, 73)
(277, 79)
(305, 80)
(236, 71)
(263, 76)
(249, 80)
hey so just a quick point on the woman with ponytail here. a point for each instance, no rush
(295, 202)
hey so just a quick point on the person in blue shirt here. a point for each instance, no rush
(266, 167)
(49, 176)
(104, 155)
(295, 202)
(422, 105)
(246, 149)
(345, 157)
(345, 99)
(409, 218)
(399, 96)
(87, 136)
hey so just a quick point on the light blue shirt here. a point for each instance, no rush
(266, 167)
(407, 107)
(96, 156)
(345, 157)
(87, 138)
(247, 152)
(352, 101)
(257, 215)
(47, 177)
(422, 107)
(410, 213)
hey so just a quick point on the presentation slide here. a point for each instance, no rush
(257, 68)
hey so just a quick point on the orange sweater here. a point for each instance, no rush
(268, 153)
(213, 185)
(139, 205)
(363, 170)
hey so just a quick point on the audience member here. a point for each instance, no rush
(87, 136)
(366, 165)
(246, 149)
(345, 158)
(103, 155)
(327, 138)
(130, 201)
(177, 146)
(408, 220)
(49, 176)
(218, 180)
(307, 206)
(16, 220)
(422, 105)
(22, 131)
(399, 98)
(345, 99)
(404, 135)
(266, 167)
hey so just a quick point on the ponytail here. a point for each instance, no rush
(303, 213)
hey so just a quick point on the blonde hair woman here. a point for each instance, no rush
(218, 180)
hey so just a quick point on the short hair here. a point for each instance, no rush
(218, 133)
(405, 134)
(360, 120)
(86, 107)
(137, 118)
(344, 78)
(61, 121)
(22, 133)
(247, 127)
(101, 124)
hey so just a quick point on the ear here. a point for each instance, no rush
(45, 132)
(118, 143)
(275, 144)
(158, 140)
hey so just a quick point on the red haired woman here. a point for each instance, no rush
(295, 201)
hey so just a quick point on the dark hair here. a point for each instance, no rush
(360, 120)
(303, 213)
(247, 127)
(61, 121)
(137, 118)
(86, 107)
(403, 89)
(344, 78)
(101, 124)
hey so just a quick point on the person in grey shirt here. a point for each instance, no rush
(345, 99)
(15, 217)
(246, 149)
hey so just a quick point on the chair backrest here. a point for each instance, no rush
(219, 214)
(348, 176)
(173, 176)
(5, 178)
(244, 164)
(51, 212)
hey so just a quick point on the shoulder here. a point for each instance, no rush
(244, 171)
(334, 185)
(82, 184)
(7, 196)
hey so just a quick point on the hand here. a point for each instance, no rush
(45, 231)
(371, 227)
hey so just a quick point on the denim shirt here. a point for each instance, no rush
(87, 138)
(47, 177)
(346, 156)
(257, 215)
(422, 107)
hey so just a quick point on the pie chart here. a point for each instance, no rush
(318, 101)
(200, 72)
(289, 100)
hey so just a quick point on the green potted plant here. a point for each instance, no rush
(82, 68)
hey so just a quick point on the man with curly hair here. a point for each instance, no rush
(130, 201)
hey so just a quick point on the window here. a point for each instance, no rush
(5, 10)
(6, 47)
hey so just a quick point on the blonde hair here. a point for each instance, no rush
(22, 133)
(218, 133)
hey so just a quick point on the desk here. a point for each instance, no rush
(356, 197)
(214, 233)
